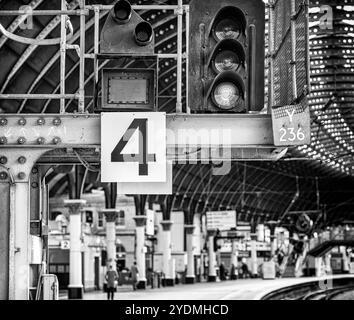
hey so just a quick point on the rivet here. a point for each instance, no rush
(3, 160)
(57, 121)
(3, 175)
(56, 140)
(34, 170)
(22, 122)
(3, 122)
(40, 140)
(21, 175)
(3, 140)
(21, 140)
(34, 185)
(41, 121)
(22, 160)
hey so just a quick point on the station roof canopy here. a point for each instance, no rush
(321, 182)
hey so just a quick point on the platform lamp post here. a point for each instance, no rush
(75, 288)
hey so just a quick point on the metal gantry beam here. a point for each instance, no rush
(183, 130)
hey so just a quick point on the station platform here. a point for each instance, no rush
(242, 289)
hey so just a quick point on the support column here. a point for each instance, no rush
(167, 256)
(75, 288)
(140, 222)
(111, 216)
(212, 257)
(15, 241)
(190, 276)
(254, 264)
(234, 260)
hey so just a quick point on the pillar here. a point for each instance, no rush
(190, 276)
(167, 253)
(319, 266)
(111, 216)
(75, 288)
(254, 264)
(140, 222)
(234, 260)
(212, 257)
(15, 189)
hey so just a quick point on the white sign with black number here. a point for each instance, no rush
(133, 147)
(65, 245)
(291, 125)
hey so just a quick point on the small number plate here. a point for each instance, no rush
(291, 125)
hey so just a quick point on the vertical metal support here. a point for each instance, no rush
(166, 253)
(253, 75)
(82, 58)
(16, 206)
(140, 222)
(188, 110)
(318, 194)
(212, 256)
(62, 55)
(12, 287)
(75, 288)
(307, 40)
(96, 40)
(293, 47)
(190, 275)
(271, 57)
(179, 55)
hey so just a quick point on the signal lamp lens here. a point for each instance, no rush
(122, 11)
(143, 33)
(228, 29)
(226, 95)
(226, 60)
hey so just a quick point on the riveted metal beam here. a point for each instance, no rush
(190, 138)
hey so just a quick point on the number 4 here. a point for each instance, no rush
(143, 157)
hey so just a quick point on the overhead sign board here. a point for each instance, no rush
(291, 125)
(133, 147)
(222, 220)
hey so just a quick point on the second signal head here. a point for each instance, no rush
(143, 33)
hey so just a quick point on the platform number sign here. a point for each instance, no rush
(133, 147)
(291, 125)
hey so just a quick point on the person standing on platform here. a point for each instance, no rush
(222, 272)
(112, 280)
(134, 273)
(245, 272)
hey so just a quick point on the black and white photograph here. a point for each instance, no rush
(171, 157)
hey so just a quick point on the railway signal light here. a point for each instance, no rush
(126, 34)
(226, 56)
